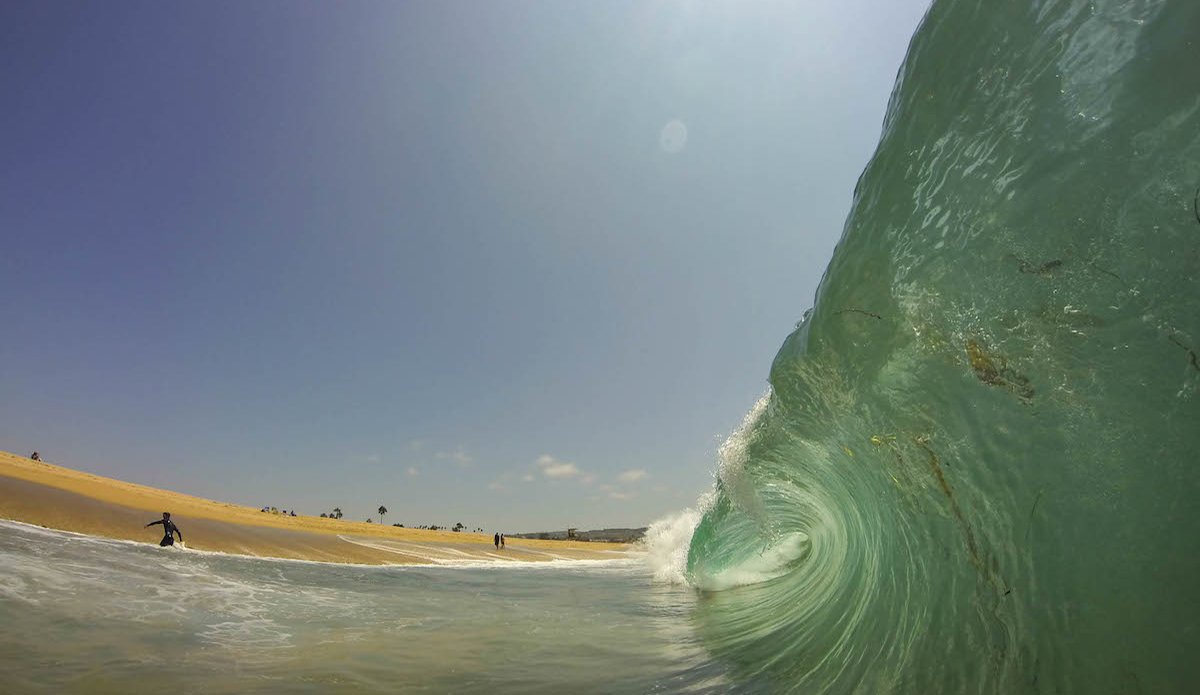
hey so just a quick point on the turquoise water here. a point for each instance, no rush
(975, 469)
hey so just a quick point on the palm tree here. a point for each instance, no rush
(382, 510)
(337, 512)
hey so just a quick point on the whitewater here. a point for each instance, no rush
(974, 469)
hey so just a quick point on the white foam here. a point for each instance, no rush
(669, 539)
(770, 563)
(623, 560)
(447, 557)
(667, 542)
(731, 463)
(254, 633)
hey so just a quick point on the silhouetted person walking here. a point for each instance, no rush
(496, 540)
(170, 528)
(35, 457)
(502, 540)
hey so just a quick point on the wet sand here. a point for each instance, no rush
(61, 498)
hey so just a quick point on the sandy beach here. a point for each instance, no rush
(52, 496)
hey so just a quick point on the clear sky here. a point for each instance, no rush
(519, 265)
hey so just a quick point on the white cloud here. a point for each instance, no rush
(588, 479)
(413, 472)
(462, 457)
(623, 496)
(416, 444)
(373, 458)
(559, 470)
(496, 486)
(633, 475)
(528, 477)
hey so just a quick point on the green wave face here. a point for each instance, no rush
(976, 470)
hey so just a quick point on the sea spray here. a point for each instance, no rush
(666, 543)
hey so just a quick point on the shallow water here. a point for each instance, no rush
(93, 615)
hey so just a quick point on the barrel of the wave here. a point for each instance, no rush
(980, 443)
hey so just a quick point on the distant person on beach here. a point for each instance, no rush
(35, 457)
(168, 526)
(502, 540)
(496, 540)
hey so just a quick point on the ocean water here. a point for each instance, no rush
(978, 466)
(93, 615)
(975, 469)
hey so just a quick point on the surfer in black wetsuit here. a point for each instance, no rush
(170, 528)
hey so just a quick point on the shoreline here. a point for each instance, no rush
(54, 497)
(35, 528)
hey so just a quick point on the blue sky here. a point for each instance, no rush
(521, 265)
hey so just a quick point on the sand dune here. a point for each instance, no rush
(56, 497)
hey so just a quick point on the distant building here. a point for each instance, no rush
(607, 535)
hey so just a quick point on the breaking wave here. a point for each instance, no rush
(976, 459)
